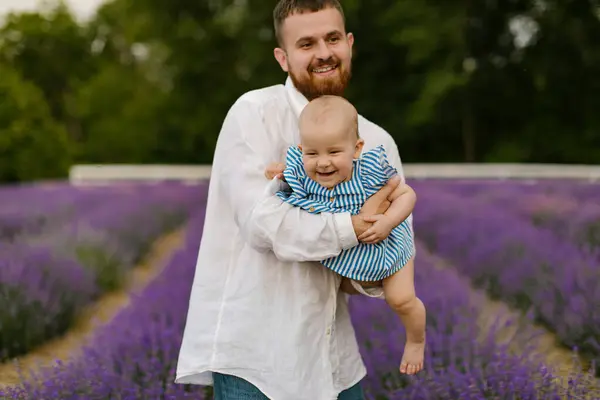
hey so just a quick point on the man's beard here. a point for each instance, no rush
(312, 87)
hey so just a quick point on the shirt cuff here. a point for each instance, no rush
(345, 230)
(274, 186)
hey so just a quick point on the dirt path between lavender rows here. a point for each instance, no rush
(98, 313)
(517, 332)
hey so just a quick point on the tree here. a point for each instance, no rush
(51, 50)
(32, 144)
(563, 60)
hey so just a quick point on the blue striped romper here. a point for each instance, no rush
(364, 262)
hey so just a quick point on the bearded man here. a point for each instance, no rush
(266, 320)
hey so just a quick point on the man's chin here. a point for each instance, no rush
(321, 85)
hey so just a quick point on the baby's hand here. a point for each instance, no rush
(380, 230)
(274, 170)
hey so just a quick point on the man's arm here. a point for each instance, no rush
(267, 223)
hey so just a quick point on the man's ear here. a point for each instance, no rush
(281, 57)
(350, 37)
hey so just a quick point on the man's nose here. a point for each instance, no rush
(323, 51)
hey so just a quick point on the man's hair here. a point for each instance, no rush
(285, 8)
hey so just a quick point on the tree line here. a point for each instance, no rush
(150, 81)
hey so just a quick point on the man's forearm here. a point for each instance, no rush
(294, 234)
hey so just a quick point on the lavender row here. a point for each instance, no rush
(571, 219)
(28, 209)
(134, 356)
(125, 221)
(571, 209)
(47, 279)
(579, 190)
(40, 294)
(530, 268)
(33, 209)
(461, 360)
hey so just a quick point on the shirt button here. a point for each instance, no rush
(328, 331)
(311, 209)
(332, 199)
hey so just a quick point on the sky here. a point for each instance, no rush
(81, 8)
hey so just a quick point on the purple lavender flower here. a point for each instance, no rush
(95, 236)
(40, 294)
(526, 266)
(134, 355)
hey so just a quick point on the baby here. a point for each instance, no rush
(326, 173)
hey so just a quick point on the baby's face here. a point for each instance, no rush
(328, 150)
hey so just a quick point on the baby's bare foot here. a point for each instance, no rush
(412, 359)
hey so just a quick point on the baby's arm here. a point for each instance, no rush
(403, 200)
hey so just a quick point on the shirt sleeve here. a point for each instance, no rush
(294, 175)
(266, 223)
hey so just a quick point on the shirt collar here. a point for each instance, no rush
(296, 99)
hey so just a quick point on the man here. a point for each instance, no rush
(266, 320)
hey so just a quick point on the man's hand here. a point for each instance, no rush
(375, 205)
(360, 225)
(274, 170)
(380, 230)
(380, 201)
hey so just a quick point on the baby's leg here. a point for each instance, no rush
(400, 295)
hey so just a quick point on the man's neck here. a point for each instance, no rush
(297, 100)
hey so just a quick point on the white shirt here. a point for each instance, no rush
(262, 307)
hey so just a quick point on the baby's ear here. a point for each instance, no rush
(359, 147)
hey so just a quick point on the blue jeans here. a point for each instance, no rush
(229, 387)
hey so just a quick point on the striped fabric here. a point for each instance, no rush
(364, 262)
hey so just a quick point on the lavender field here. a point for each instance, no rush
(532, 247)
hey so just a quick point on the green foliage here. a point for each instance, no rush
(149, 81)
(108, 268)
(50, 50)
(32, 144)
(117, 111)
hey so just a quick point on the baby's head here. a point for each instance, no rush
(329, 139)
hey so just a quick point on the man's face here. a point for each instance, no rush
(317, 52)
